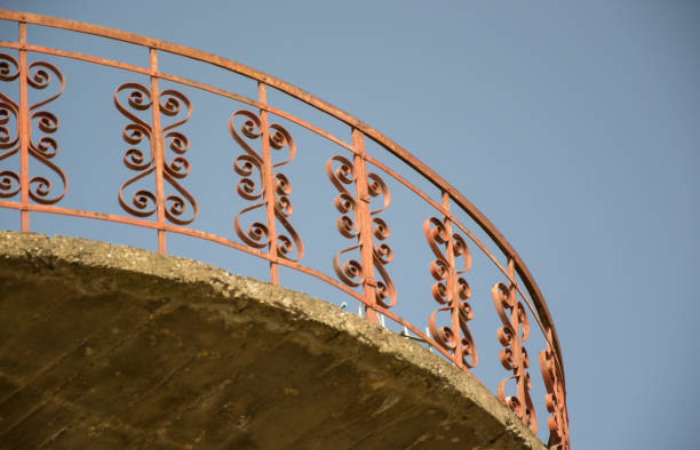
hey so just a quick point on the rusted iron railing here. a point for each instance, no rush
(157, 149)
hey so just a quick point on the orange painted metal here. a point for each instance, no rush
(512, 335)
(39, 146)
(359, 221)
(181, 80)
(146, 202)
(25, 129)
(555, 400)
(268, 185)
(451, 290)
(262, 184)
(363, 276)
(75, 55)
(157, 149)
(363, 222)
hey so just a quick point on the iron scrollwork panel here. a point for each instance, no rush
(555, 400)
(451, 290)
(345, 175)
(262, 184)
(42, 146)
(513, 355)
(144, 202)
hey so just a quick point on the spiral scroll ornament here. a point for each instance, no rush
(451, 290)
(555, 400)
(360, 222)
(261, 184)
(42, 146)
(179, 207)
(513, 355)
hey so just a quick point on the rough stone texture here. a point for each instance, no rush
(112, 347)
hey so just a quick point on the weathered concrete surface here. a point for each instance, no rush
(111, 347)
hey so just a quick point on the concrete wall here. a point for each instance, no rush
(111, 347)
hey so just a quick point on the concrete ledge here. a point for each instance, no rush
(112, 347)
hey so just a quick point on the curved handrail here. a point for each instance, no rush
(516, 264)
(324, 106)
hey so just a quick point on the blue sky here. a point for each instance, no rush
(574, 126)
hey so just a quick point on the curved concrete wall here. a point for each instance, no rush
(112, 347)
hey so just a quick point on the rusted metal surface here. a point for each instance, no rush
(156, 197)
(144, 202)
(272, 191)
(513, 356)
(451, 290)
(40, 147)
(360, 221)
(558, 421)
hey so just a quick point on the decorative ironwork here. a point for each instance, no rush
(39, 75)
(513, 355)
(27, 136)
(451, 290)
(144, 201)
(555, 400)
(9, 136)
(358, 221)
(273, 189)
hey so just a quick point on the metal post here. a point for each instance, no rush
(25, 128)
(364, 222)
(452, 287)
(268, 185)
(157, 150)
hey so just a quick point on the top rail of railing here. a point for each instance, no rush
(154, 118)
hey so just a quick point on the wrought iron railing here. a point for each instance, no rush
(156, 196)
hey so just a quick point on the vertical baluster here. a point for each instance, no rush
(157, 150)
(514, 356)
(450, 289)
(359, 221)
(268, 185)
(24, 127)
(147, 201)
(452, 277)
(42, 147)
(365, 225)
(555, 398)
(272, 193)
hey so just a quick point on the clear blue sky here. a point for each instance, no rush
(575, 126)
